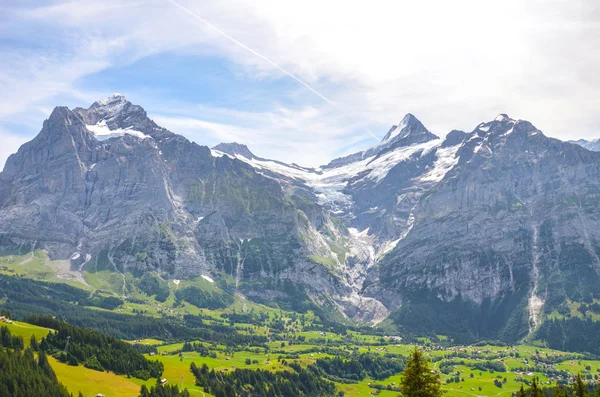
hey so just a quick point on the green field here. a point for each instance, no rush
(25, 330)
(91, 382)
(291, 336)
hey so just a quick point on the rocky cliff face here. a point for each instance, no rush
(109, 188)
(509, 232)
(480, 233)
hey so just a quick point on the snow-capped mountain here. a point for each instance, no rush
(480, 232)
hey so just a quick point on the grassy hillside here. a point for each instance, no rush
(91, 382)
(18, 328)
(309, 346)
(276, 337)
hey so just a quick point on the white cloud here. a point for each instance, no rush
(307, 136)
(452, 64)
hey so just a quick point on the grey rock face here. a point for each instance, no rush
(142, 198)
(494, 232)
(234, 149)
(481, 233)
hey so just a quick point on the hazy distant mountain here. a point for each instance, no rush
(593, 145)
(481, 233)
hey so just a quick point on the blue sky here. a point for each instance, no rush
(303, 81)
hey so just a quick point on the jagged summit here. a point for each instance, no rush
(115, 116)
(408, 125)
(234, 149)
(109, 108)
(111, 99)
(501, 124)
(408, 132)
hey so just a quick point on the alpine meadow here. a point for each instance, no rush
(246, 221)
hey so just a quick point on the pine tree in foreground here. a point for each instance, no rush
(418, 380)
(559, 391)
(535, 390)
(579, 388)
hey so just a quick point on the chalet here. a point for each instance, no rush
(99, 395)
(163, 381)
(5, 320)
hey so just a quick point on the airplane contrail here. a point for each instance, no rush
(374, 136)
(264, 58)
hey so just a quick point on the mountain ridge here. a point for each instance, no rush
(417, 222)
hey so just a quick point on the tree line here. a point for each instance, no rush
(358, 366)
(22, 375)
(573, 334)
(261, 383)
(578, 389)
(74, 345)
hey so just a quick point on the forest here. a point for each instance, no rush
(573, 334)
(358, 366)
(22, 375)
(74, 345)
(260, 383)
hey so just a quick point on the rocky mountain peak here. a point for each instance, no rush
(62, 122)
(471, 225)
(408, 126)
(115, 116)
(409, 131)
(112, 109)
(501, 125)
(235, 149)
(111, 100)
(454, 137)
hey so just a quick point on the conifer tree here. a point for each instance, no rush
(559, 391)
(579, 388)
(418, 380)
(535, 390)
(33, 343)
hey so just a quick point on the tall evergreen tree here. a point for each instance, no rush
(559, 391)
(33, 343)
(535, 390)
(579, 388)
(521, 392)
(418, 380)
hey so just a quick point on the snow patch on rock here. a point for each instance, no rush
(102, 132)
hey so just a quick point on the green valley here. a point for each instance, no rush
(211, 326)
